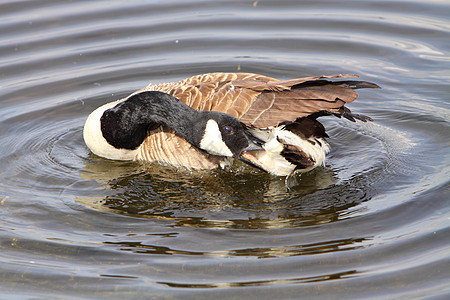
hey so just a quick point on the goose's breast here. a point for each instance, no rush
(165, 146)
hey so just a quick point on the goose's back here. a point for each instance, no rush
(215, 91)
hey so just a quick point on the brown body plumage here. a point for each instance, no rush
(256, 100)
(259, 102)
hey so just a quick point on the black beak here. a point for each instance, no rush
(254, 144)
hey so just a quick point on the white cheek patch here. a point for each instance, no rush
(212, 141)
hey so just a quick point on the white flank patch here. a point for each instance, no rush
(317, 152)
(272, 161)
(271, 158)
(212, 141)
(94, 139)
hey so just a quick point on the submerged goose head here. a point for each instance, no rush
(118, 129)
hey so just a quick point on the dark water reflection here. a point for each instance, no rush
(239, 198)
(372, 223)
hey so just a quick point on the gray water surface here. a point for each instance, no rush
(373, 223)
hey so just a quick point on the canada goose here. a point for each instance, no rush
(204, 121)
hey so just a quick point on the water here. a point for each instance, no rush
(373, 223)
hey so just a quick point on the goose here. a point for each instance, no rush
(206, 121)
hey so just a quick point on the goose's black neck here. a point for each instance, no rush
(126, 125)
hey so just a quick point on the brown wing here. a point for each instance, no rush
(214, 91)
(295, 99)
(263, 101)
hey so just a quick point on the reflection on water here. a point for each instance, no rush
(373, 222)
(222, 198)
(268, 252)
(340, 275)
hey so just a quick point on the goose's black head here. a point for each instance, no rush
(223, 135)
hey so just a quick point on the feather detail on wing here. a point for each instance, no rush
(262, 101)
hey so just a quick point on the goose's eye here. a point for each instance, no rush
(228, 130)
